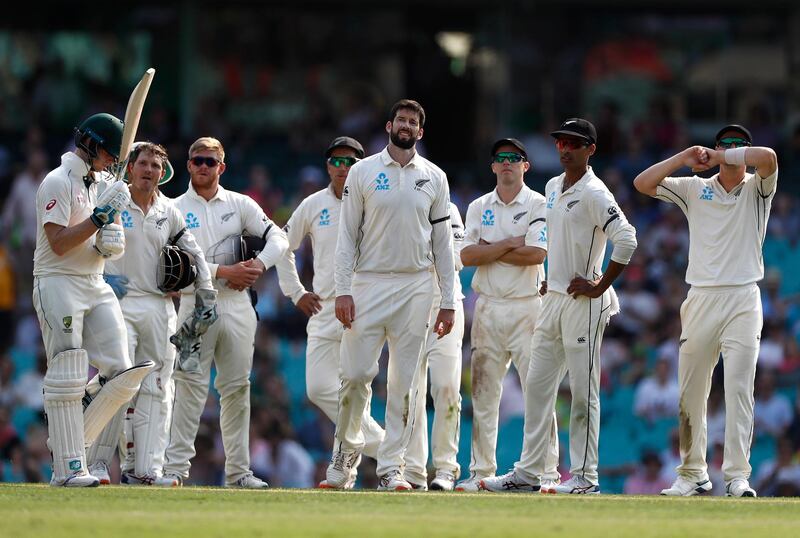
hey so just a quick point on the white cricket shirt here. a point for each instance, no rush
(492, 220)
(457, 227)
(726, 229)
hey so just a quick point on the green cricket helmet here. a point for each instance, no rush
(102, 130)
(170, 171)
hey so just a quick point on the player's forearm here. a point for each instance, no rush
(613, 271)
(647, 182)
(445, 265)
(62, 239)
(762, 159)
(288, 279)
(474, 255)
(275, 247)
(524, 256)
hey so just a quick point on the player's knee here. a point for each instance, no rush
(359, 374)
(316, 390)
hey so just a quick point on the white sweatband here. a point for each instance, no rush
(735, 156)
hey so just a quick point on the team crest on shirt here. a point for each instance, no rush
(707, 194)
(382, 182)
(325, 217)
(227, 216)
(160, 222)
(551, 200)
(572, 204)
(487, 219)
(418, 184)
(127, 219)
(192, 221)
(67, 320)
(519, 216)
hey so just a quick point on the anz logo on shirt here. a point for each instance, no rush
(325, 218)
(551, 199)
(381, 182)
(707, 194)
(191, 221)
(127, 220)
(487, 219)
(543, 235)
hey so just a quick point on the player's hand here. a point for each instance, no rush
(309, 303)
(240, 275)
(118, 283)
(444, 322)
(543, 288)
(111, 202)
(109, 241)
(696, 158)
(345, 310)
(589, 288)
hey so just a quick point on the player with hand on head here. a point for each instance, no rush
(582, 215)
(395, 227)
(727, 215)
(318, 218)
(79, 315)
(151, 268)
(506, 239)
(221, 222)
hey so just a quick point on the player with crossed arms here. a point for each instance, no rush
(727, 215)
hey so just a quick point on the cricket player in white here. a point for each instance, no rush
(318, 217)
(151, 221)
(213, 214)
(506, 239)
(582, 215)
(394, 229)
(443, 357)
(79, 315)
(727, 215)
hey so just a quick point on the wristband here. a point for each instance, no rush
(735, 156)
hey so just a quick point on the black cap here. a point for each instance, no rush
(345, 142)
(737, 128)
(510, 142)
(577, 127)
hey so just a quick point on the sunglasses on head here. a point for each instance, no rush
(732, 141)
(567, 143)
(509, 156)
(340, 161)
(210, 162)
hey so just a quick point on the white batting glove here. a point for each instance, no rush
(109, 241)
(110, 202)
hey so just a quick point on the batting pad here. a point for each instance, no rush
(112, 396)
(64, 386)
(149, 425)
(106, 444)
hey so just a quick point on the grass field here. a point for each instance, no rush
(38, 510)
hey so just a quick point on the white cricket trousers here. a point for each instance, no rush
(723, 320)
(567, 338)
(229, 344)
(322, 373)
(443, 358)
(502, 333)
(394, 307)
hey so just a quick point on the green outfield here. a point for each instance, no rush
(38, 510)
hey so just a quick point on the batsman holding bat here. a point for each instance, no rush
(727, 215)
(79, 315)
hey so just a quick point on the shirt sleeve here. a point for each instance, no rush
(767, 185)
(457, 225)
(288, 279)
(256, 223)
(347, 237)
(472, 232)
(55, 199)
(607, 216)
(188, 243)
(675, 190)
(442, 244)
(536, 235)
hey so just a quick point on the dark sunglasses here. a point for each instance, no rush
(339, 161)
(565, 143)
(509, 156)
(732, 141)
(211, 162)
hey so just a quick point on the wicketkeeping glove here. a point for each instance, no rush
(110, 202)
(118, 283)
(189, 336)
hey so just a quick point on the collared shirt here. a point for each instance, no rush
(726, 229)
(64, 199)
(491, 219)
(395, 219)
(317, 217)
(229, 213)
(145, 236)
(579, 222)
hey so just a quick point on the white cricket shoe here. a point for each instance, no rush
(444, 481)
(248, 481)
(577, 485)
(686, 488)
(100, 470)
(78, 479)
(739, 487)
(510, 482)
(342, 469)
(168, 480)
(394, 481)
(549, 486)
(417, 487)
(471, 484)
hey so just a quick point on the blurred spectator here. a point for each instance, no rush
(282, 460)
(780, 476)
(657, 396)
(773, 412)
(647, 479)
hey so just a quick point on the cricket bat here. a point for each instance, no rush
(132, 116)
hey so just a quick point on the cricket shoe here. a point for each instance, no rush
(168, 480)
(100, 470)
(342, 467)
(418, 487)
(549, 486)
(686, 488)
(394, 481)
(577, 485)
(471, 484)
(444, 481)
(248, 481)
(739, 487)
(78, 479)
(510, 482)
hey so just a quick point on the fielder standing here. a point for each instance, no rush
(218, 217)
(394, 229)
(79, 315)
(727, 215)
(318, 217)
(582, 215)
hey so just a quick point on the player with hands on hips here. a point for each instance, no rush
(76, 234)
(318, 217)
(727, 215)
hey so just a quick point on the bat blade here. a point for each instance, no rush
(132, 115)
